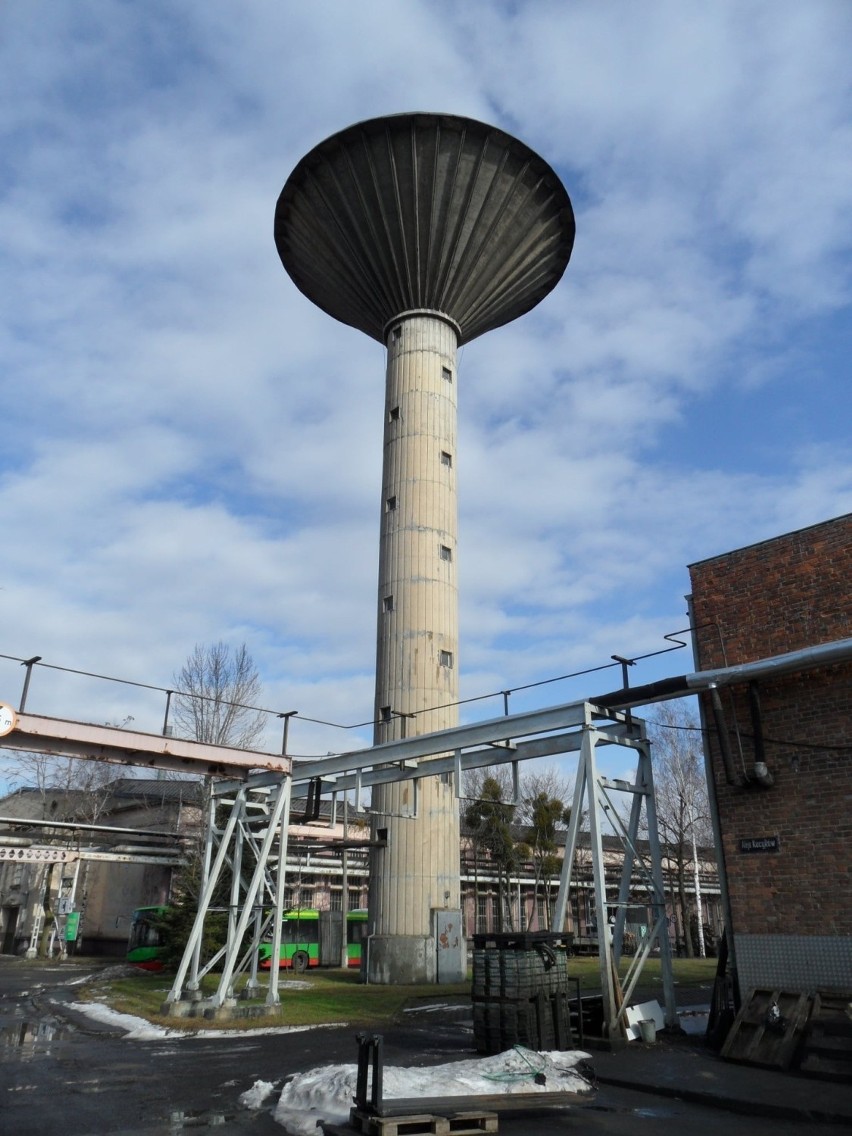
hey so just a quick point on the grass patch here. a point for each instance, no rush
(327, 996)
(314, 999)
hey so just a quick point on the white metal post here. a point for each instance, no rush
(281, 806)
(192, 951)
(646, 778)
(285, 791)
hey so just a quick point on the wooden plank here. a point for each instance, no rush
(482, 1103)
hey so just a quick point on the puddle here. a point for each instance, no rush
(26, 1040)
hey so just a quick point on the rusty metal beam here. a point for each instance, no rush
(59, 737)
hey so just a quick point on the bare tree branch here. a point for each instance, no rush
(218, 689)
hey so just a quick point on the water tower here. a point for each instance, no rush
(423, 231)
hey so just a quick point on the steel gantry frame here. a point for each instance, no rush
(257, 826)
(510, 739)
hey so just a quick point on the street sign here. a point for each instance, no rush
(760, 843)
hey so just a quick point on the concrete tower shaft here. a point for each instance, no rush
(417, 872)
(423, 231)
(417, 648)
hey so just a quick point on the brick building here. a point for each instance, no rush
(786, 844)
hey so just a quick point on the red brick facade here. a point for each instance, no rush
(782, 595)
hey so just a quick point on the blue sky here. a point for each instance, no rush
(191, 451)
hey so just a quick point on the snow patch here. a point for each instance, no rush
(257, 1094)
(138, 1029)
(327, 1093)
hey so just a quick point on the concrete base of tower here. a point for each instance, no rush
(407, 960)
(394, 960)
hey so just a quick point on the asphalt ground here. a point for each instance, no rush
(61, 1074)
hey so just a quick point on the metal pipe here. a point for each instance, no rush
(29, 664)
(722, 734)
(760, 772)
(823, 655)
(25, 822)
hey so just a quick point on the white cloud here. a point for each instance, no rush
(191, 450)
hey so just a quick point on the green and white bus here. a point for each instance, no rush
(311, 938)
(145, 948)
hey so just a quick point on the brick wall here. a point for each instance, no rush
(781, 595)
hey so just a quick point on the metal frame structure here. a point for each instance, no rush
(593, 796)
(561, 729)
(256, 829)
(260, 802)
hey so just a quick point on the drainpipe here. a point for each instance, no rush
(760, 772)
(722, 734)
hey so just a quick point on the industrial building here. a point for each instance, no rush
(780, 755)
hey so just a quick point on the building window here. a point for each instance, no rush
(446, 552)
(393, 414)
(335, 900)
(482, 912)
(446, 658)
(541, 915)
(355, 902)
(390, 504)
(387, 603)
(397, 332)
(447, 373)
(446, 459)
(385, 713)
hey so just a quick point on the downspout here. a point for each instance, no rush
(760, 772)
(722, 734)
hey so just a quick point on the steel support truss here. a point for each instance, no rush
(594, 797)
(252, 840)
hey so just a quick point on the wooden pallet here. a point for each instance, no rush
(827, 1046)
(423, 1124)
(760, 1037)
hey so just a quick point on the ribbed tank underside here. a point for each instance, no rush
(424, 212)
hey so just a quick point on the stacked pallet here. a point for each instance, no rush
(521, 992)
(827, 1047)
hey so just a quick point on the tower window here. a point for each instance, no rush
(447, 373)
(446, 658)
(393, 414)
(397, 332)
(385, 713)
(390, 504)
(446, 552)
(387, 603)
(446, 459)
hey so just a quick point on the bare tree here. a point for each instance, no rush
(683, 814)
(217, 692)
